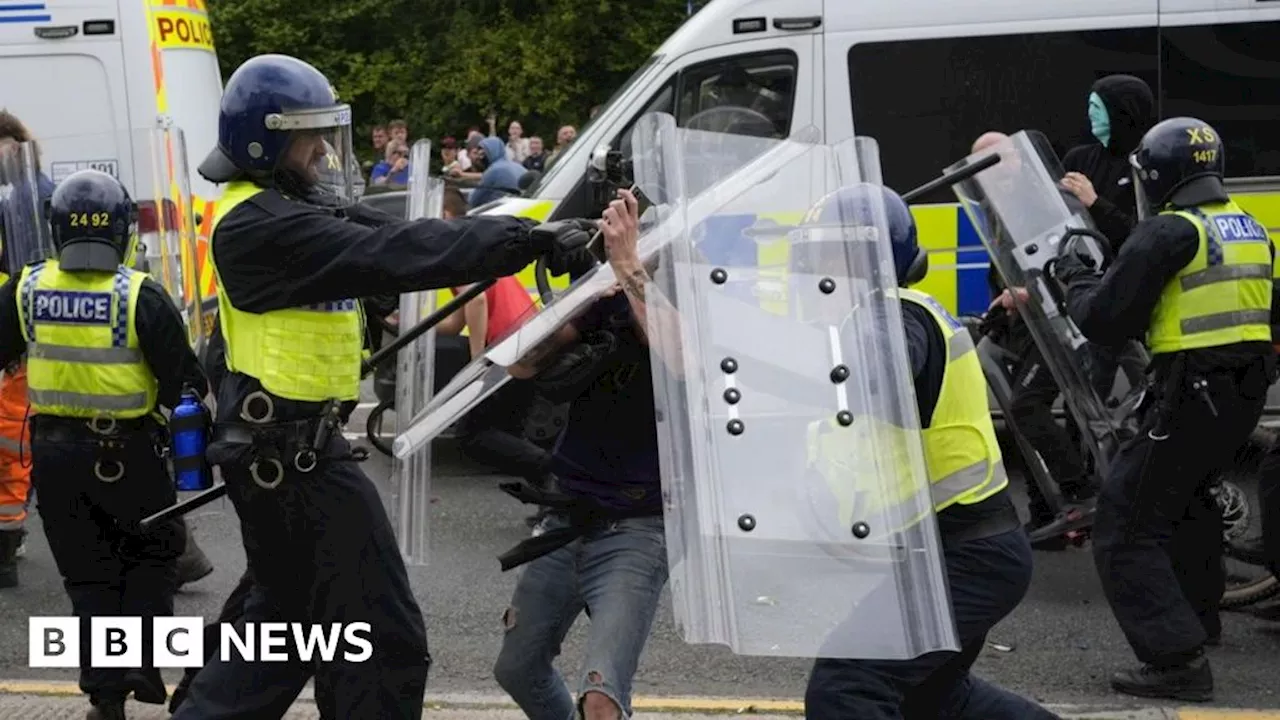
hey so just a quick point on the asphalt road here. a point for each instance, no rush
(1059, 646)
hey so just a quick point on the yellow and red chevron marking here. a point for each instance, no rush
(197, 5)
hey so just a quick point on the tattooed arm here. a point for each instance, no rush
(621, 228)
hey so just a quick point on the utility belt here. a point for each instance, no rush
(1168, 388)
(277, 446)
(586, 516)
(992, 525)
(112, 437)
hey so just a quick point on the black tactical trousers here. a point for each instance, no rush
(1269, 507)
(107, 568)
(322, 551)
(1157, 539)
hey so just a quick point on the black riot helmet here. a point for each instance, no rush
(1179, 162)
(92, 219)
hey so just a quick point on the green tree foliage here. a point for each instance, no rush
(444, 65)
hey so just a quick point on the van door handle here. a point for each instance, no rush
(797, 23)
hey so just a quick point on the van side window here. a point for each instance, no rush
(743, 95)
(926, 101)
(1228, 76)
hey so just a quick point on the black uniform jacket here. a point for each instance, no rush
(274, 254)
(1117, 306)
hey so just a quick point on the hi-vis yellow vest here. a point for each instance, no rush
(83, 356)
(960, 445)
(1223, 295)
(961, 452)
(309, 354)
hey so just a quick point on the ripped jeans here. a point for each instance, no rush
(616, 574)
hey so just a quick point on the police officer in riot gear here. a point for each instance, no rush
(1194, 277)
(288, 270)
(106, 349)
(988, 555)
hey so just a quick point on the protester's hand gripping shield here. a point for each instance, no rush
(24, 227)
(410, 484)
(166, 243)
(798, 511)
(1024, 219)
(528, 343)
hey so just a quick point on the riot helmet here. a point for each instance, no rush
(864, 206)
(1180, 161)
(93, 219)
(280, 125)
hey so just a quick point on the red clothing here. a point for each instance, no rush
(509, 304)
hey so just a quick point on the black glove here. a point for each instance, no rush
(559, 240)
(1073, 265)
(577, 367)
(576, 263)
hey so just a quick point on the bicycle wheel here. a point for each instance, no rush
(1248, 578)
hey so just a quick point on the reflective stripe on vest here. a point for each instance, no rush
(960, 446)
(309, 354)
(82, 345)
(1223, 296)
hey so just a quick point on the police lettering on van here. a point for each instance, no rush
(69, 307)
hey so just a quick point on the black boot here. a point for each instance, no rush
(9, 542)
(193, 564)
(1191, 681)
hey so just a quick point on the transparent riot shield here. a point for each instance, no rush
(744, 159)
(798, 509)
(410, 484)
(24, 228)
(1024, 219)
(166, 222)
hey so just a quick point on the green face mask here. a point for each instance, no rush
(1099, 120)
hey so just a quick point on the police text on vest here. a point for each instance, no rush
(70, 307)
(178, 642)
(1239, 228)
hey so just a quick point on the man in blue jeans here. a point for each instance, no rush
(604, 550)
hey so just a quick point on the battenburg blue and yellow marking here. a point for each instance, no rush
(24, 12)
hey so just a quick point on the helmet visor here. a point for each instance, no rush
(319, 154)
(1142, 202)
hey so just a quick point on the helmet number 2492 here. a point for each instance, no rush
(90, 220)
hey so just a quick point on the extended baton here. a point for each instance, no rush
(948, 179)
(368, 366)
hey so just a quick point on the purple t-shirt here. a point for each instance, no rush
(609, 448)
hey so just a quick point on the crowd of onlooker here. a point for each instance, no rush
(489, 164)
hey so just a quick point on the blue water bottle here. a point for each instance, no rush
(189, 435)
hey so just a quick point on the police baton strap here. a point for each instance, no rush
(198, 501)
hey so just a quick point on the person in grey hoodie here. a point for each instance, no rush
(500, 177)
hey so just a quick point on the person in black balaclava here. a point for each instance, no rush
(1121, 111)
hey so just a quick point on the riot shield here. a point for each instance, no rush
(798, 509)
(24, 228)
(410, 484)
(744, 159)
(1023, 219)
(166, 222)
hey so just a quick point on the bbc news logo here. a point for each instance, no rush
(116, 642)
